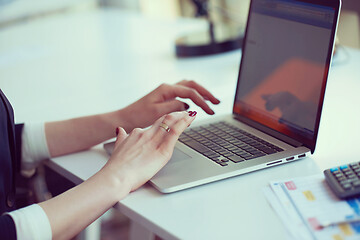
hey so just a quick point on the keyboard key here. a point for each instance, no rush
(236, 159)
(266, 150)
(215, 158)
(356, 184)
(346, 186)
(228, 154)
(223, 152)
(197, 146)
(352, 176)
(346, 181)
(341, 178)
(259, 154)
(344, 167)
(338, 174)
(249, 157)
(238, 152)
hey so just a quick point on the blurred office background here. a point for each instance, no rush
(14, 12)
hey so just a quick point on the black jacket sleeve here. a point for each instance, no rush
(7, 225)
(7, 228)
(18, 132)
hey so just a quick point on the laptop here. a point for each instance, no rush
(286, 56)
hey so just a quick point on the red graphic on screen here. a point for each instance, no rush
(291, 93)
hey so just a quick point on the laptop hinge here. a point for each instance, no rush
(269, 131)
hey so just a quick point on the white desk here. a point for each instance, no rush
(76, 64)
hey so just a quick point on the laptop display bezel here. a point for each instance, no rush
(294, 139)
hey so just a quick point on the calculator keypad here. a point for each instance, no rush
(344, 180)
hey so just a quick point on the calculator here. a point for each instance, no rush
(344, 180)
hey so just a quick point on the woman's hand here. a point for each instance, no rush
(137, 157)
(64, 137)
(163, 100)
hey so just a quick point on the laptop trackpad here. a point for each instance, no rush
(178, 156)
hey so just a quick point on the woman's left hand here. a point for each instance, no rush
(163, 100)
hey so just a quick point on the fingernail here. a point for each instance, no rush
(190, 112)
(186, 106)
(117, 131)
(193, 114)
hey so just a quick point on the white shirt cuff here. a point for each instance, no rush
(34, 147)
(31, 223)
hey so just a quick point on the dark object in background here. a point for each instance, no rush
(220, 37)
(56, 183)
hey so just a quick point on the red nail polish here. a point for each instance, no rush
(117, 131)
(190, 112)
(193, 114)
(186, 106)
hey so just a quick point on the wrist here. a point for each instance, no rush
(121, 118)
(118, 185)
(112, 120)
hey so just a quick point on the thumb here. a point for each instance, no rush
(172, 106)
(121, 136)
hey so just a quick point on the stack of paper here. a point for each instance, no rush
(309, 209)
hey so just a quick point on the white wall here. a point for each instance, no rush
(11, 10)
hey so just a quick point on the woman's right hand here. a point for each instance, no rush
(137, 157)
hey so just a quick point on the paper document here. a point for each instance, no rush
(309, 209)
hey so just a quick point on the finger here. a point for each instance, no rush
(203, 91)
(121, 136)
(186, 92)
(172, 106)
(152, 130)
(161, 129)
(168, 142)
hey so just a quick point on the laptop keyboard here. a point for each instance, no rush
(222, 142)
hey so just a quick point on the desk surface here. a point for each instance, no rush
(83, 63)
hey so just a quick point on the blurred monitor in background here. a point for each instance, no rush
(349, 25)
(224, 31)
(236, 10)
(224, 20)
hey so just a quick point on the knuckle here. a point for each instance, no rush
(191, 82)
(183, 121)
(146, 136)
(193, 93)
(169, 118)
(136, 131)
(182, 81)
(175, 132)
(164, 86)
(178, 130)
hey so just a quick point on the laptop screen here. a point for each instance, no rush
(284, 66)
